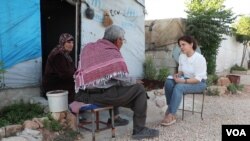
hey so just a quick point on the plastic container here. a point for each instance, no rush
(58, 100)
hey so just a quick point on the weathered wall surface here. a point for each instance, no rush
(8, 96)
(161, 40)
(229, 54)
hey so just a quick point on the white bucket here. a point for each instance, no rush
(58, 100)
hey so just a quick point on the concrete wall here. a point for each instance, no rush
(8, 96)
(229, 54)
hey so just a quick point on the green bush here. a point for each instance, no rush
(212, 92)
(51, 124)
(149, 69)
(233, 88)
(208, 21)
(212, 79)
(18, 112)
(162, 74)
(237, 68)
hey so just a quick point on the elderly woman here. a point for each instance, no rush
(60, 67)
(191, 77)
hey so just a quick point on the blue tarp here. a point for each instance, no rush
(20, 31)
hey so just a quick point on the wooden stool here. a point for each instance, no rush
(95, 120)
(201, 112)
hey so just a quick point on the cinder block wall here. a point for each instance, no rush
(8, 96)
(163, 58)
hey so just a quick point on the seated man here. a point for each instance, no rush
(102, 78)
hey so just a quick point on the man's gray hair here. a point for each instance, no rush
(113, 32)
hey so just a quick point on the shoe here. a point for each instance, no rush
(82, 118)
(168, 120)
(118, 121)
(145, 133)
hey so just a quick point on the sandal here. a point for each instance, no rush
(168, 120)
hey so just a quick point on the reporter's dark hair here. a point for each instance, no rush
(189, 39)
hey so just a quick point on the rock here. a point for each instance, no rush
(160, 103)
(63, 122)
(12, 129)
(31, 132)
(2, 132)
(159, 92)
(72, 123)
(151, 95)
(62, 116)
(221, 89)
(30, 124)
(39, 121)
(56, 116)
(47, 135)
(223, 81)
(15, 139)
(31, 135)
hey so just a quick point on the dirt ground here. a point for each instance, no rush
(218, 110)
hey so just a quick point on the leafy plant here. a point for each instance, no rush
(212, 79)
(162, 74)
(208, 21)
(213, 92)
(51, 124)
(149, 69)
(233, 88)
(1, 72)
(18, 112)
(242, 33)
(237, 68)
(4, 122)
(1, 67)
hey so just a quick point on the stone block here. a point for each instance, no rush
(221, 89)
(223, 81)
(2, 132)
(12, 129)
(30, 124)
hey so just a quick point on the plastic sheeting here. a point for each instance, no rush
(20, 34)
(161, 33)
(129, 14)
(20, 42)
(24, 74)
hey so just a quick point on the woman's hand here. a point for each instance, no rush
(178, 79)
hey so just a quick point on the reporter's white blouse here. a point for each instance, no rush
(194, 66)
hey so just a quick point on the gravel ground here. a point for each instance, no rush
(218, 110)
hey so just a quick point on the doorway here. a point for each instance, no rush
(57, 17)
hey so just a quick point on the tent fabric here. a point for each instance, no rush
(25, 74)
(20, 32)
(161, 33)
(20, 43)
(129, 14)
